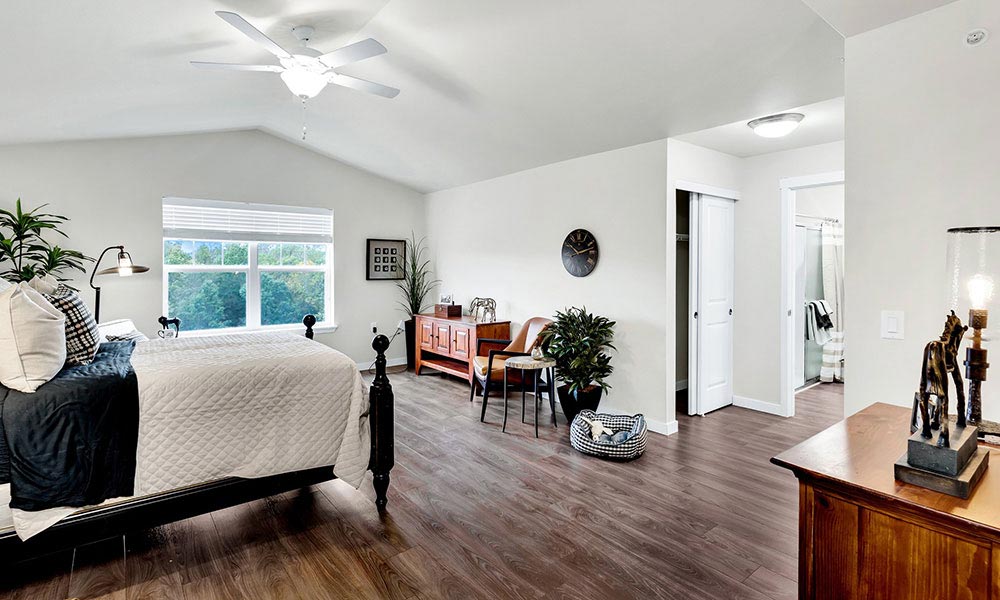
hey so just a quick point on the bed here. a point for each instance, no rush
(179, 427)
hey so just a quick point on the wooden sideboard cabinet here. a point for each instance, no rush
(447, 344)
(862, 534)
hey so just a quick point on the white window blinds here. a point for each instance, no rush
(187, 218)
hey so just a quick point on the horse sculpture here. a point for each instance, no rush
(487, 305)
(940, 358)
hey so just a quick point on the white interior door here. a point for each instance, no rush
(716, 258)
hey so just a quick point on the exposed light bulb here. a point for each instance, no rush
(980, 291)
(304, 83)
(776, 126)
(124, 264)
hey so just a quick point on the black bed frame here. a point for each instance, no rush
(150, 511)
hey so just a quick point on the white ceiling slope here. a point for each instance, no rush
(488, 87)
(823, 123)
(851, 17)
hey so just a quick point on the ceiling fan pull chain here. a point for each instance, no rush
(303, 119)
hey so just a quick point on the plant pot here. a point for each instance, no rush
(582, 399)
(411, 343)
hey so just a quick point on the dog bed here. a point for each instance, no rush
(627, 442)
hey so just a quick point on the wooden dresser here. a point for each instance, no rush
(862, 534)
(447, 344)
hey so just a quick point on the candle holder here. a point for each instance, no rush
(973, 261)
(975, 368)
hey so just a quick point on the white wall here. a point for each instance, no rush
(923, 124)
(823, 201)
(112, 189)
(757, 346)
(502, 237)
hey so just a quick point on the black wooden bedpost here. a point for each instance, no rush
(309, 321)
(380, 418)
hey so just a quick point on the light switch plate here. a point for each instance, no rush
(892, 324)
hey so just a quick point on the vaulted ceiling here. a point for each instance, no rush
(488, 87)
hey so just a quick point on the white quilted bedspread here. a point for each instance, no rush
(247, 405)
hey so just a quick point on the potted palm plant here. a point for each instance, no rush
(415, 285)
(23, 252)
(578, 341)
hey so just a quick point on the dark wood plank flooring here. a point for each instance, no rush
(476, 513)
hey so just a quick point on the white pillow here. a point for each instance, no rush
(4, 284)
(44, 285)
(32, 339)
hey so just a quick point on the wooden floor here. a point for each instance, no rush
(476, 513)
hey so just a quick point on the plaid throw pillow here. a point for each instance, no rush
(82, 335)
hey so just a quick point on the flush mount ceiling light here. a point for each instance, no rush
(776, 126)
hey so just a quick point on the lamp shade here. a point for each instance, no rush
(974, 271)
(125, 266)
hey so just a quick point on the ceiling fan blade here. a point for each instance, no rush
(253, 33)
(363, 85)
(352, 53)
(231, 67)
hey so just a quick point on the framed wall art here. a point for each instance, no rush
(384, 259)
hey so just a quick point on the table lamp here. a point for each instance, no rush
(973, 261)
(124, 268)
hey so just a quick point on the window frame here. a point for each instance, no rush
(253, 272)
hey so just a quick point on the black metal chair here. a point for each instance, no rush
(489, 368)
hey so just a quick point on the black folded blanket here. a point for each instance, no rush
(73, 441)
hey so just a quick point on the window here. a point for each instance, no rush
(230, 265)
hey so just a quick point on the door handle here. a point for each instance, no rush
(730, 312)
(696, 314)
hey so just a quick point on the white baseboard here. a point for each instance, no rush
(662, 428)
(681, 385)
(655, 426)
(758, 405)
(389, 362)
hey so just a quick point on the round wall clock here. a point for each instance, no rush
(580, 253)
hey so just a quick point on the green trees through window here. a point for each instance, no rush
(207, 283)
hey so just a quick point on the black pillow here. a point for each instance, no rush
(82, 334)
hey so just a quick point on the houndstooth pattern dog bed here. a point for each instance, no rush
(579, 435)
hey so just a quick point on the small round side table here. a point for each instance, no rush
(536, 366)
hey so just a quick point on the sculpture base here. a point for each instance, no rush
(960, 485)
(925, 454)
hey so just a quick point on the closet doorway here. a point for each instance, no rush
(706, 243)
(812, 348)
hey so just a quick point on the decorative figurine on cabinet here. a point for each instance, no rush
(488, 306)
(950, 462)
(940, 358)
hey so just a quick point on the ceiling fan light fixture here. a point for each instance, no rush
(304, 83)
(776, 126)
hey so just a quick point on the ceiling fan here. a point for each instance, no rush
(306, 71)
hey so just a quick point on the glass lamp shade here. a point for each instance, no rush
(304, 83)
(974, 274)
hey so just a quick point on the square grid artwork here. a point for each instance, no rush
(385, 259)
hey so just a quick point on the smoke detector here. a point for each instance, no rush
(976, 37)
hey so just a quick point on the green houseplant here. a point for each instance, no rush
(578, 341)
(415, 285)
(25, 254)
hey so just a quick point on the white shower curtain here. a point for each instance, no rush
(833, 291)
